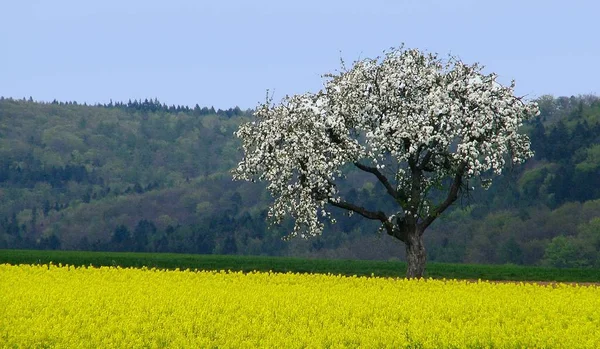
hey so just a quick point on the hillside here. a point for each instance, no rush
(143, 176)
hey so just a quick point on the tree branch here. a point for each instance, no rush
(452, 196)
(425, 161)
(383, 179)
(378, 215)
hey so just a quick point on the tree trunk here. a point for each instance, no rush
(415, 254)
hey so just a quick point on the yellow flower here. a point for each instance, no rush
(85, 307)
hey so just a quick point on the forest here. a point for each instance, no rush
(144, 176)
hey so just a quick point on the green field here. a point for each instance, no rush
(282, 264)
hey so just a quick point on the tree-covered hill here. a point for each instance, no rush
(143, 176)
(136, 176)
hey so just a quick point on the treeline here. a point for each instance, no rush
(141, 176)
(156, 106)
(152, 105)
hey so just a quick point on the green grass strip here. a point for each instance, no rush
(297, 265)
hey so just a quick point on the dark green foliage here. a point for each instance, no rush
(511, 252)
(559, 139)
(51, 242)
(538, 139)
(121, 239)
(141, 235)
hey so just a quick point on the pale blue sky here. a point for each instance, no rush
(227, 53)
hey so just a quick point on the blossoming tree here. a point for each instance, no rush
(424, 128)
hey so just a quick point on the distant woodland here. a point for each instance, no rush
(144, 176)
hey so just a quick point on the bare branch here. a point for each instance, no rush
(452, 196)
(383, 179)
(425, 161)
(391, 229)
(378, 215)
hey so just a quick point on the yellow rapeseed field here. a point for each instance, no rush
(53, 306)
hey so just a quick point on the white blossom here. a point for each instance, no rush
(404, 105)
